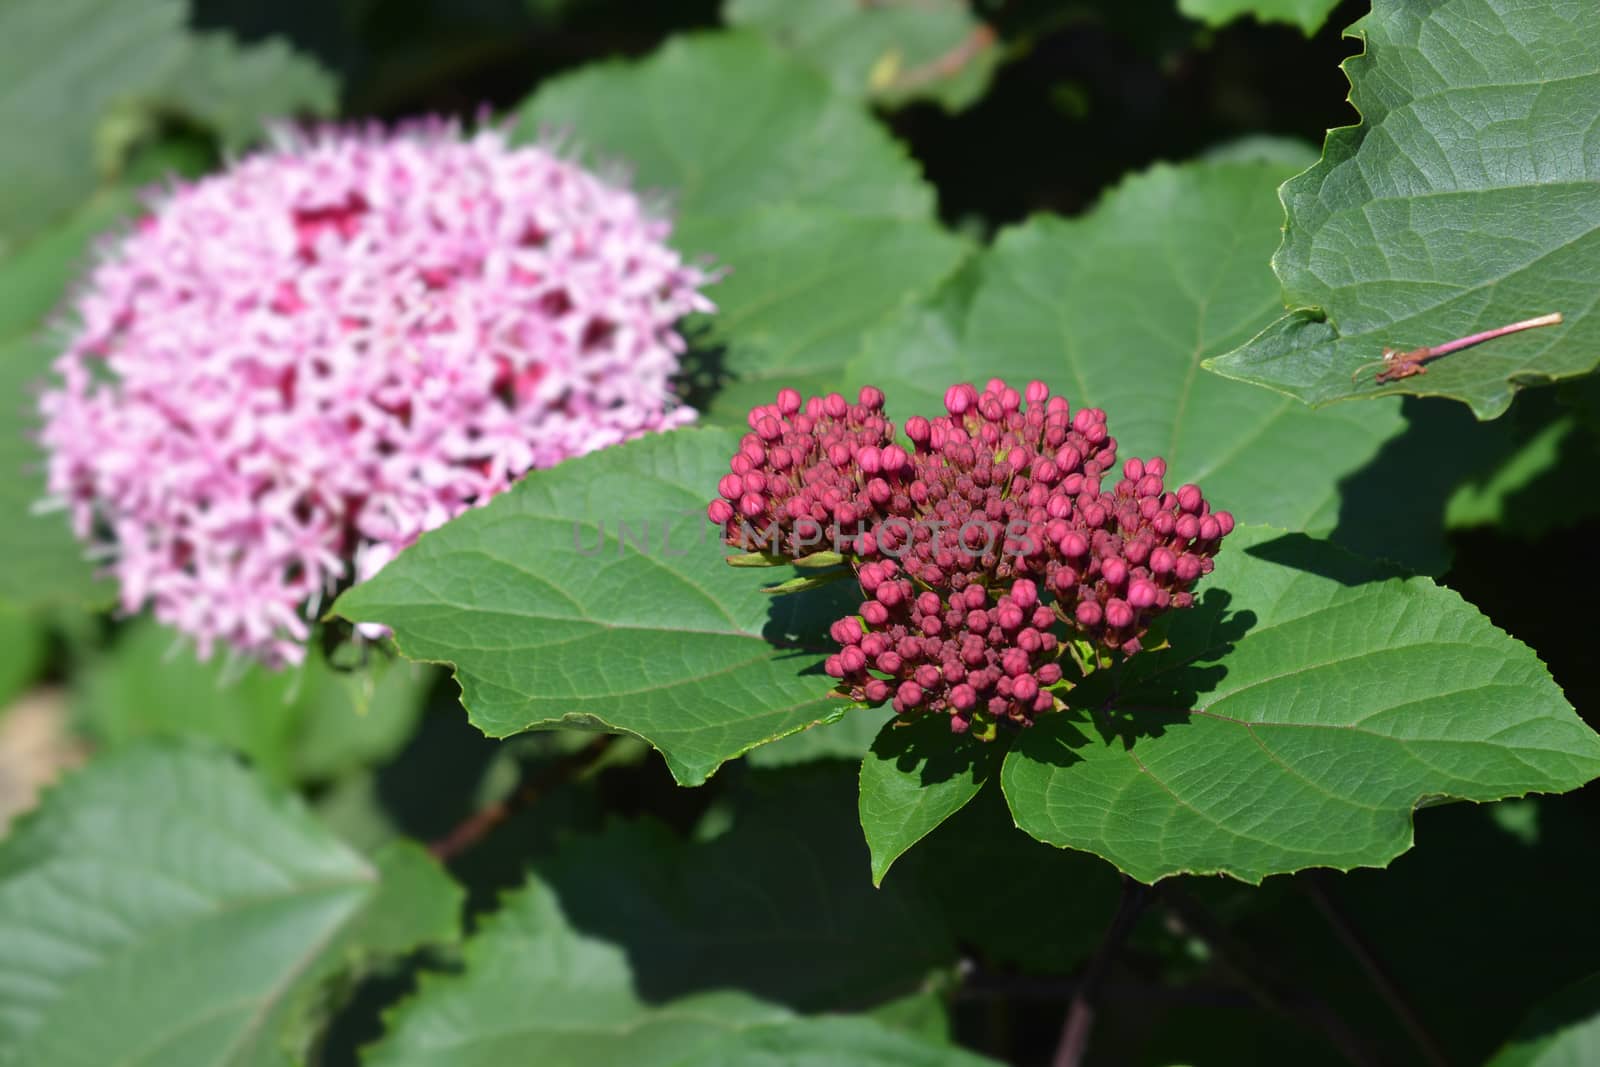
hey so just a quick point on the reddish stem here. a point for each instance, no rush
(1489, 335)
(1399, 364)
(479, 824)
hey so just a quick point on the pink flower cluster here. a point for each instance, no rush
(971, 545)
(290, 370)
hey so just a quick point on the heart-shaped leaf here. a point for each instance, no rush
(163, 906)
(1464, 201)
(1308, 703)
(595, 595)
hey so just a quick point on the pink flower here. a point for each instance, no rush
(288, 371)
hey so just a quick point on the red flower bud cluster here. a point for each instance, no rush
(973, 544)
(799, 483)
(960, 653)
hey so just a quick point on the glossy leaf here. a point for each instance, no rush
(594, 595)
(191, 914)
(1462, 202)
(533, 990)
(1308, 703)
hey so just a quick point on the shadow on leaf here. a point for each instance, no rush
(1302, 553)
(799, 622)
(1145, 695)
(925, 746)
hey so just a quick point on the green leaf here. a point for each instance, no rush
(533, 990)
(191, 913)
(915, 777)
(1308, 704)
(1117, 309)
(1564, 1032)
(1463, 201)
(309, 723)
(820, 219)
(727, 123)
(1309, 15)
(232, 88)
(85, 80)
(804, 288)
(981, 846)
(780, 905)
(891, 53)
(594, 595)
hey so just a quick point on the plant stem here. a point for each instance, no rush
(1313, 883)
(479, 824)
(1266, 983)
(1080, 1013)
(1488, 335)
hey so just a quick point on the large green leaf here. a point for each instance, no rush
(803, 289)
(1117, 310)
(915, 776)
(726, 123)
(595, 595)
(84, 79)
(310, 723)
(532, 990)
(893, 53)
(1308, 704)
(1465, 200)
(1309, 15)
(163, 907)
